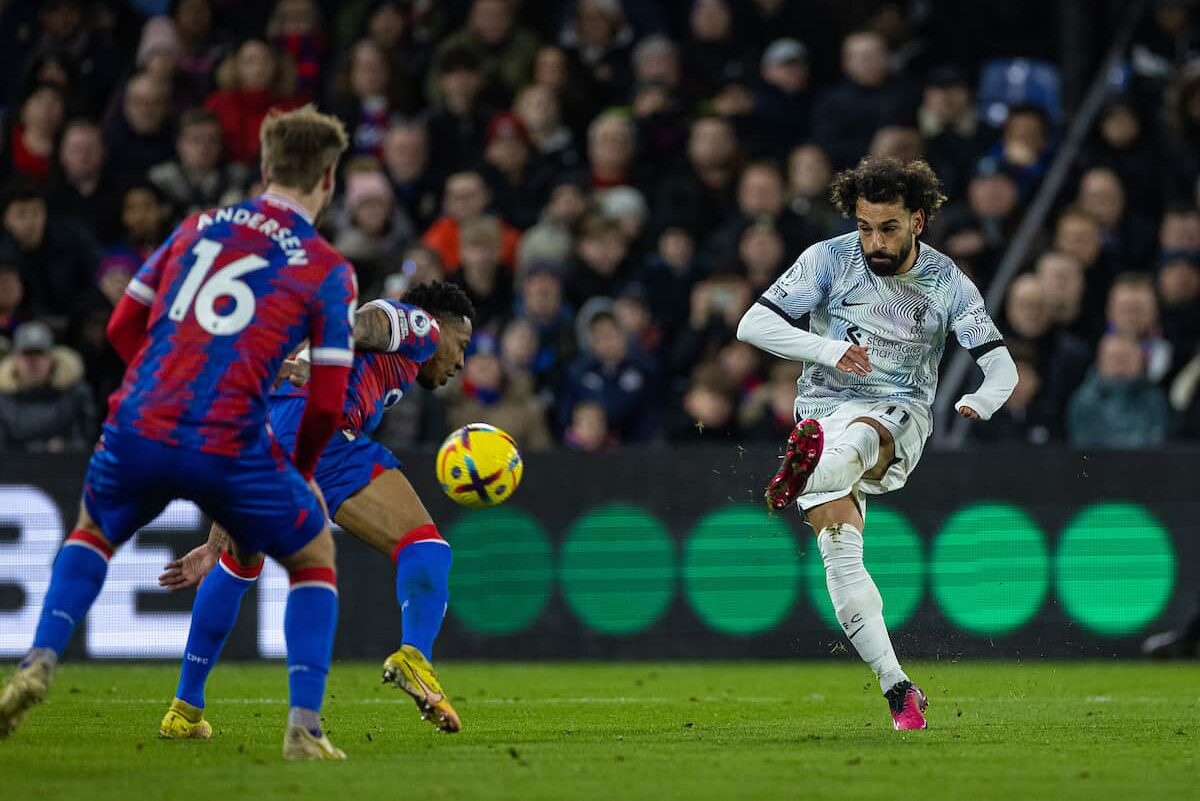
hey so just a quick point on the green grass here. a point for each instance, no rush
(631, 731)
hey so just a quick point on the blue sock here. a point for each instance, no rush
(309, 623)
(422, 588)
(75, 581)
(213, 614)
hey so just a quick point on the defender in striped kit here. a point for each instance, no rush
(869, 314)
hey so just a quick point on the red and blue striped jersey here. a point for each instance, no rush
(231, 292)
(379, 380)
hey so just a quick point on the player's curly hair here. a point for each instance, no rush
(885, 181)
(440, 298)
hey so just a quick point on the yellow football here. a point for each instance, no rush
(479, 466)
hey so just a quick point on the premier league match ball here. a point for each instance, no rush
(479, 466)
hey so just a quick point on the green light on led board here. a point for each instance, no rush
(990, 568)
(741, 570)
(502, 570)
(892, 554)
(618, 569)
(1115, 568)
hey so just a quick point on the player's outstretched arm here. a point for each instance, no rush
(999, 381)
(767, 330)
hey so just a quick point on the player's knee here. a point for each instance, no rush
(319, 552)
(427, 532)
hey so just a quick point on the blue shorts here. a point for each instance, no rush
(348, 463)
(258, 497)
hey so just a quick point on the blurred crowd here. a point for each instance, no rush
(613, 183)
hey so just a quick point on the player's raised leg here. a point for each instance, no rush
(388, 516)
(214, 613)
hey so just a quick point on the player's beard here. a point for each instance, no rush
(884, 264)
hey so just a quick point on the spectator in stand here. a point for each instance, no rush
(809, 174)
(466, 198)
(201, 49)
(373, 232)
(707, 412)
(600, 265)
(1025, 147)
(45, 406)
(717, 305)
(145, 213)
(406, 36)
(599, 40)
(1179, 230)
(553, 142)
(158, 55)
(760, 197)
(1063, 284)
(1178, 282)
(588, 431)
(482, 277)
(541, 303)
(1118, 406)
(1128, 238)
(619, 380)
(701, 192)
(365, 99)
(197, 178)
(762, 255)
(507, 49)
(406, 165)
(12, 296)
(251, 83)
(139, 135)
(782, 100)
(977, 234)
(768, 413)
(58, 259)
(83, 188)
(611, 151)
(948, 120)
(86, 331)
(633, 315)
(668, 277)
(712, 55)
(1132, 312)
(520, 182)
(628, 208)
(64, 27)
(29, 143)
(1078, 234)
(492, 392)
(458, 122)
(846, 116)
(1123, 144)
(900, 142)
(294, 28)
(554, 71)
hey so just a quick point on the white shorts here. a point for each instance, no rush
(909, 424)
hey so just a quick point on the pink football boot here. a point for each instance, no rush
(804, 447)
(908, 705)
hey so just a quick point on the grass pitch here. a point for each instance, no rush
(630, 731)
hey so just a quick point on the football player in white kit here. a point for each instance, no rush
(869, 313)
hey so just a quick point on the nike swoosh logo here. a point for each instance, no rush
(856, 631)
(844, 303)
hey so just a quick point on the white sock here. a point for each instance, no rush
(844, 462)
(857, 602)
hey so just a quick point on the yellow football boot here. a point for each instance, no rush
(184, 722)
(27, 688)
(299, 744)
(409, 670)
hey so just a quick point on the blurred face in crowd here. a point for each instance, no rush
(142, 214)
(33, 368)
(61, 20)
(405, 152)
(761, 250)
(1078, 235)
(491, 20)
(1179, 284)
(760, 191)
(550, 69)
(537, 107)
(422, 265)
(632, 314)
(481, 265)
(466, 196)
(193, 20)
(887, 233)
(992, 196)
(947, 103)
(568, 204)
(596, 21)
(610, 144)
(710, 21)
(484, 371)
(25, 220)
(1101, 195)
(145, 104)
(386, 26)
(368, 71)
(1119, 358)
(372, 214)
(296, 17)
(1133, 309)
(1026, 308)
(519, 344)
(708, 405)
(1120, 127)
(809, 171)
(608, 341)
(603, 250)
(1180, 230)
(589, 426)
(738, 361)
(81, 153)
(1062, 282)
(12, 291)
(542, 294)
(788, 76)
(865, 59)
(199, 147)
(42, 112)
(1024, 138)
(508, 153)
(711, 144)
(676, 247)
(897, 142)
(255, 66)
(460, 87)
(659, 65)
